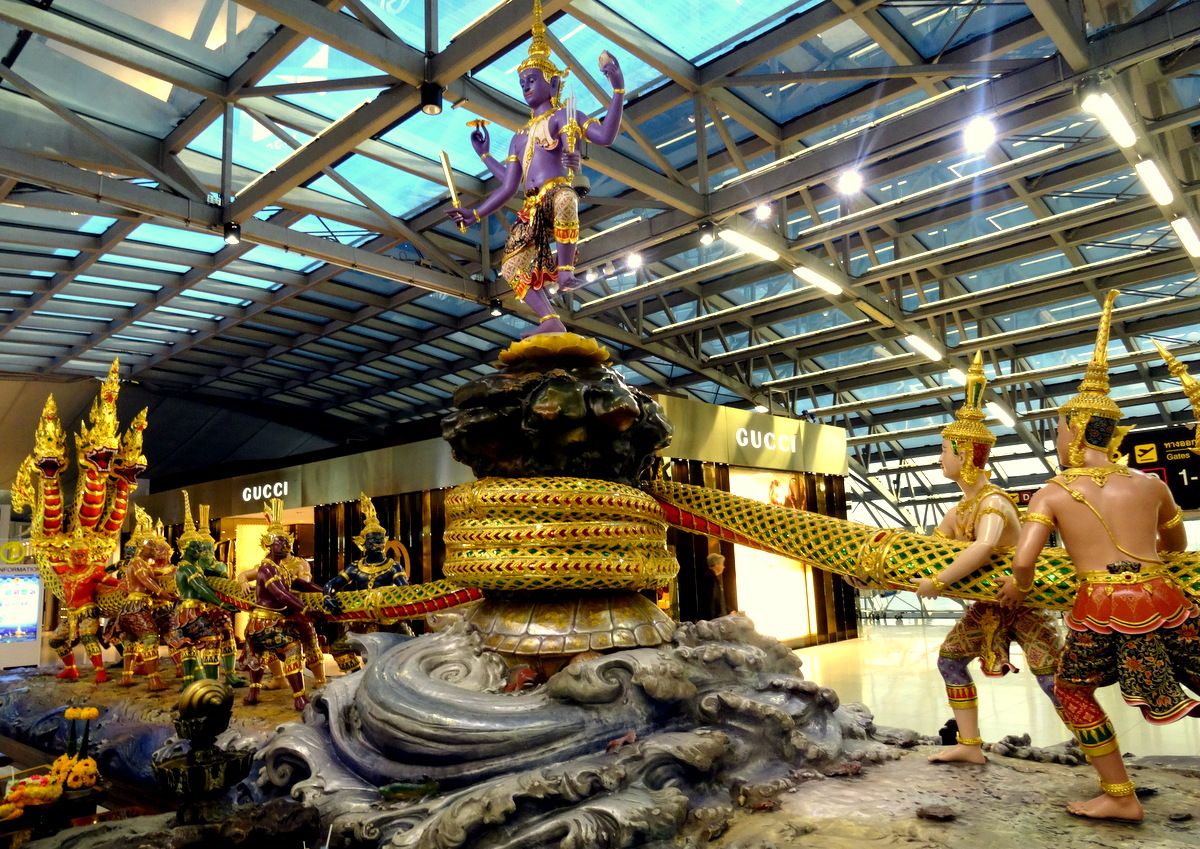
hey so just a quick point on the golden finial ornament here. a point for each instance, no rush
(273, 511)
(968, 421)
(193, 530)
(539, 49)
(1092, 397)
(1191, 387)
(968, 428)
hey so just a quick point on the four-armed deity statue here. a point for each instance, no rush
(540, 161)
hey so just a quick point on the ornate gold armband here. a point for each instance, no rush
(565, 268)
(1040, 518)
(618, 91)
(1174, 522)
(590, 121)
(548, 317)
(512, 158)
(272, 580)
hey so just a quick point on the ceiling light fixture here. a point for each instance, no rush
(591, 275)
(760, 404)
(923, 346)
(850, 182)
(1154, 181)
(233, 233)
(816, 278)
(1094, 99)
(708, 233)
(749, 245)
(1000, 414)
(431, 92)
(762, 212)
(979, 134)
(634, 261)
(1187, 235)
(495, 310)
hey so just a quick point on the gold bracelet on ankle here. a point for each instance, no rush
(968, 741)
(547, 317)
(618, 91)
(1125, 788)
(565, 268)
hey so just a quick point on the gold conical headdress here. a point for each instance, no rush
(370, 520)
(539, 49)
(192, 531)
(273, 510)
(1191, 387)
(968, 422)
(1092, 397)
(145, 530)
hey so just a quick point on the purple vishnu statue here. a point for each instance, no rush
(542, 157)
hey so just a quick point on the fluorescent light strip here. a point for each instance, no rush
(923, 346)
(1002, 415)
(1105, 108)
(611, 229)
(748, 244)
(817, 279)
(1187, 235)
(1154, 181)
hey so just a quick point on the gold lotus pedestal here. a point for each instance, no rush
(560, 561)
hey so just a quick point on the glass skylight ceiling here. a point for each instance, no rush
(959, 246)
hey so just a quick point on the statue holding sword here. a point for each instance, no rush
(543, 159)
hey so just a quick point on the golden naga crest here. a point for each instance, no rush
(100, 434)
(130, 456)
(50, 439)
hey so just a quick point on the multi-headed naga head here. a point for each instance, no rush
(130, 462)
(50, 441)
(97, 441)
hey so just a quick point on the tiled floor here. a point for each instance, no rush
(892, 669)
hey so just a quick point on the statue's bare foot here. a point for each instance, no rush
(1113, 808)
(550, 325)
(959, 754)
(568, 281)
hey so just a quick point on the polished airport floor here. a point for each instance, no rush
(892, 669)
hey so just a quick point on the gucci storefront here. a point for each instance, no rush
(774, 459)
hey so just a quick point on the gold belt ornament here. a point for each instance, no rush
(1143, 576)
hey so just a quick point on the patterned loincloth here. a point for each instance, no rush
(988, 629)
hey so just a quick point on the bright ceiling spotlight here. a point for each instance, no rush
(634, 261)
(707, 233)
(1154, 181)
(816, 278)
(762, 212)
(1187, 235)
(923, 346)
(233, 233)
(958, 376)
(1099, 102)
(749, 245)
(495, 310)
(591, 275)
(979, 134)
(760, 404)
(850, 182)
(1000, 414)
